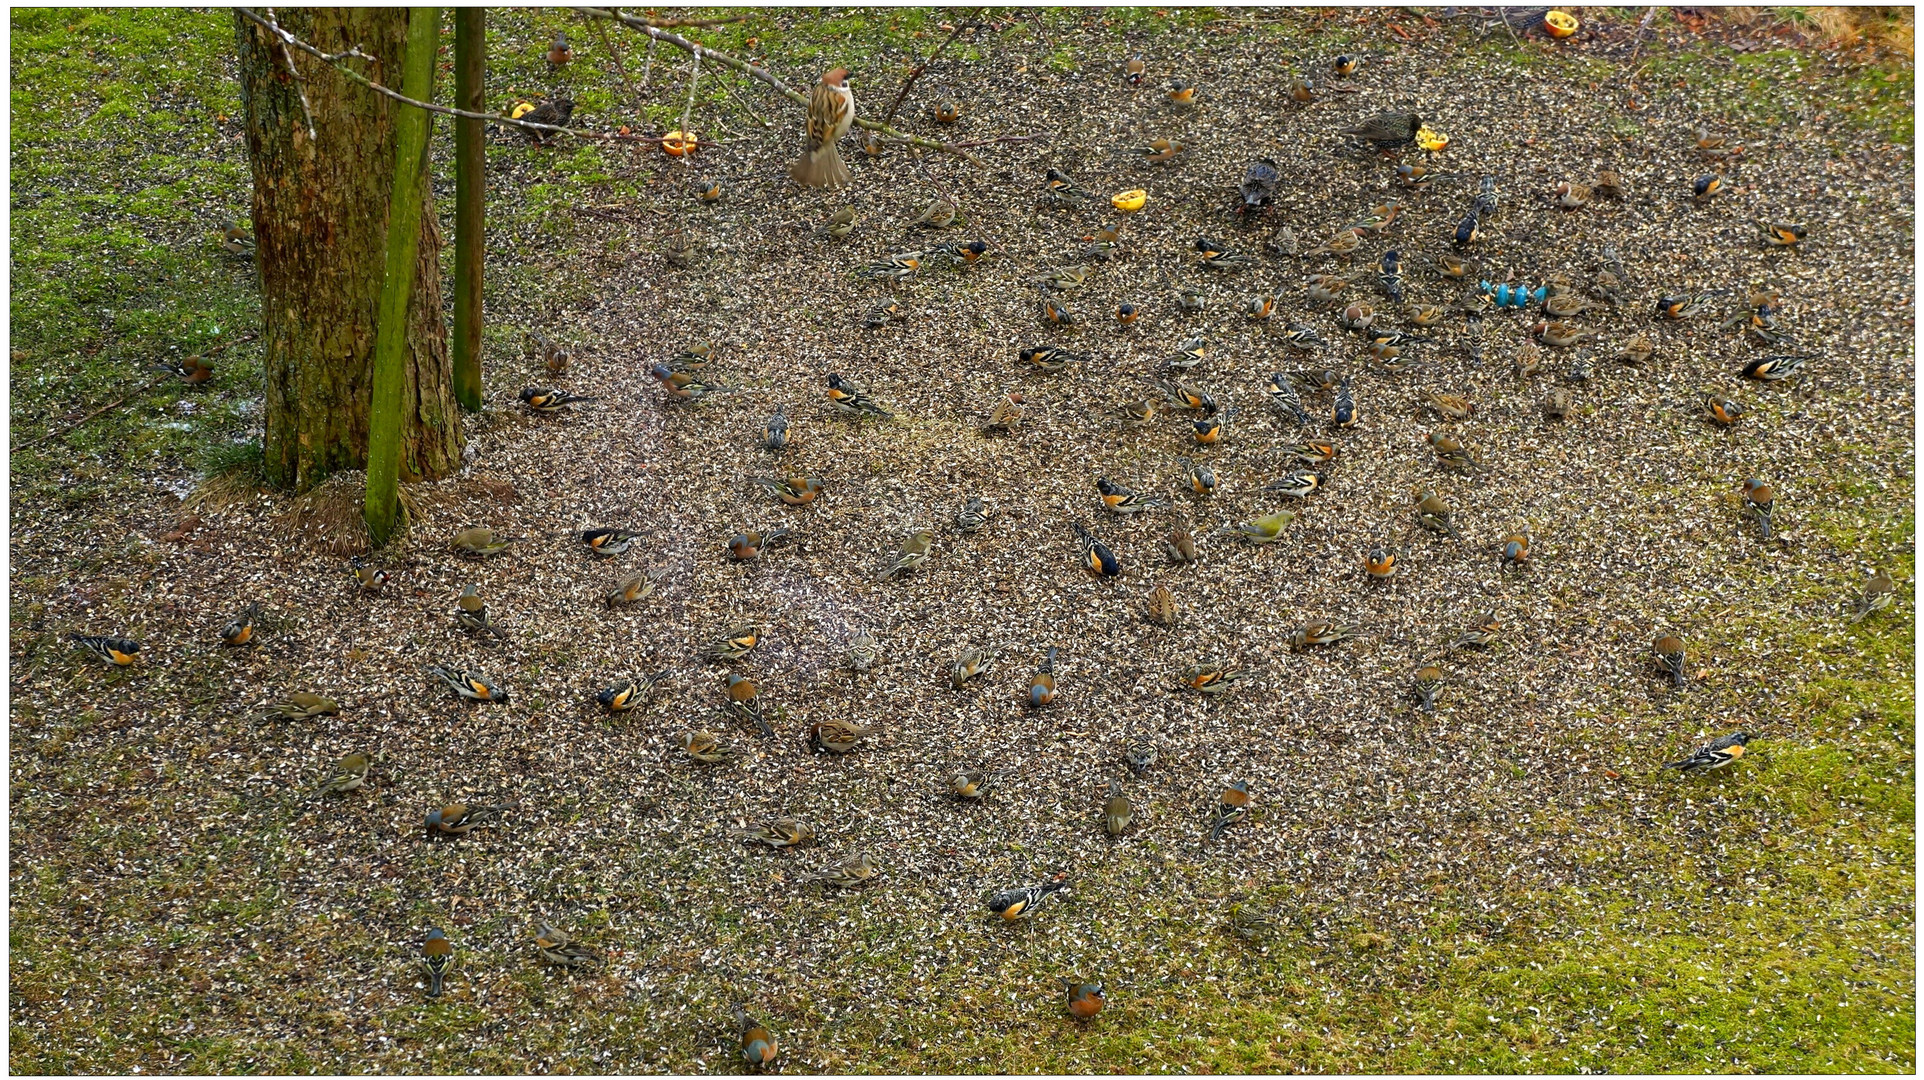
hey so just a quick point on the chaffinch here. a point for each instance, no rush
(459, 819)
(348, 774)
(1085, 999)
(758, 1046)
(1042, 688)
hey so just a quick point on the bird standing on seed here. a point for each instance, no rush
(1669, 651)
(745, 704)
(1021, 903)
(847, 873)
(703, 747)
(969, 664)
(1879, 591)
(913, 552)
(555, 947)
(471, 612)
(1042, 687)
(1085, 999)
(835, 736)
(969, 784)
(1232, 806)
(1386, 131)
(437, 953)
(1759, 500)
(240, 629)
(1714, 756)
(758, 1046)
(479, 542)
(1097, 559)
(554, 113)
(470, 685)
(748, 544)
(1428, 679)
(831, 111)
(1116, 811)
(348, 774)
(459, 819)
(301, 705)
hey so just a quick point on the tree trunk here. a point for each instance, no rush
(387, 419)
(470, 196)
(320, 226)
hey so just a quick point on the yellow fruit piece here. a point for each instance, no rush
(677, 143)
(1560, 24)
(1431, 139)
(1129, 201)
(521, 109)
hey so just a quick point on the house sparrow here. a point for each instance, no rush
(831, 111)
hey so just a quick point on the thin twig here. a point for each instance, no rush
(51, 435)
(998, 139)
(960, 25)
(300, 87)
(621, 72)
(334, 60)
(664, 24)
(780, 87)
(694, 76)
(1642, 25)
(648, 64)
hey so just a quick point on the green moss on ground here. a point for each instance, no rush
(1761, 919)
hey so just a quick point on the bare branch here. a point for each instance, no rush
(780, 87)
(615, 54)
(300, 87)
(960, 25)
(665, 24)
(694, 76)
(999, 139)
(334, 60)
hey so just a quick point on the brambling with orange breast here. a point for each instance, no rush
(1716, 755)
(1097, 559)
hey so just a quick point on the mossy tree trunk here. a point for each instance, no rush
(320, 223)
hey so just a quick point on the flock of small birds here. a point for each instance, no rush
(1391, 336)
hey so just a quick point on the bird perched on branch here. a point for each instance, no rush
(831, 112)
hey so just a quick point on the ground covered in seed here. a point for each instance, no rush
(1508, 883)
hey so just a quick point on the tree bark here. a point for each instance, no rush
(320, 224)
(387, 418)
(470, 194)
